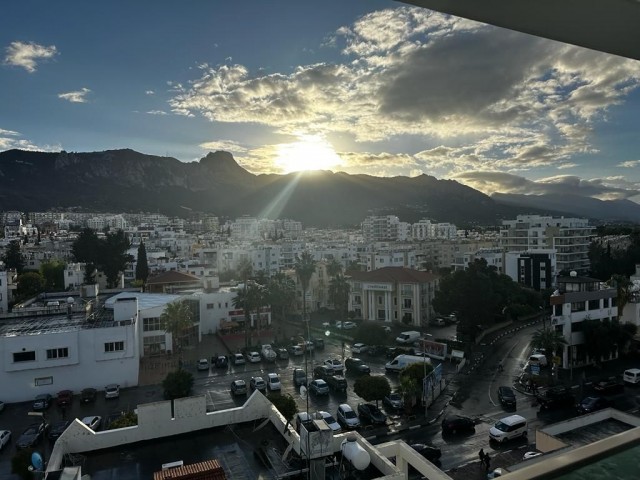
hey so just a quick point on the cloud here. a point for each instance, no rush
(224, 145)
(608, 188)
(630, 164)
(493, 99)
(157, 112)
(79, 96)
(150, 92)
(27, 54)
(9, 139)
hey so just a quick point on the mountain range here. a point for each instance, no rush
(129, 181)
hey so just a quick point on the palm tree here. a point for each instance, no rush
(334, 268)
(246, 300)
(305, 266)
(281, 293)
(177, 319)
(339, 290)
(623, 285)
(549, 340)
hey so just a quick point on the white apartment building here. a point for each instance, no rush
(7, 287)
(73, 276)
(380, 228)
(393, 294)
(49, 353)
(570, 237)
(578, 299)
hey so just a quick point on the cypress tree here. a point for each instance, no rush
(142, 267)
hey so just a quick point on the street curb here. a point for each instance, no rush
(409, 427)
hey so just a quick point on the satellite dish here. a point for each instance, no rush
(303, 392)
(36, 461)
(357, 455)
(70, 300)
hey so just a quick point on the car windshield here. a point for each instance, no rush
(31, 431)
(274, 380)
(503, 427)
(329, 419)
(349, 414)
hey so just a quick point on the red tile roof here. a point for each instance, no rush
(207, 470)
(393, 275)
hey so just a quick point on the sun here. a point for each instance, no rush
(310, 152)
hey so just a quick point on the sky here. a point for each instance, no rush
(361, 86)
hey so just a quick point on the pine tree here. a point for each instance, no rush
(142, 267)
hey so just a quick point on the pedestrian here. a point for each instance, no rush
(487, 461)
(481, 455)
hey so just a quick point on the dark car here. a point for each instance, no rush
(318, 342)
(299, 377)
(393, 401)
(608, 387)
(453, 424)
(372, 414)
(58, 429)
(507, 397)
(376, 350)
(221, 361)
(88, 395)
(42, 402)
(592, 404)
(432, 454)
(356, 366)
(64, 398)
(337, 383)
(32, 435)
(282, 354)
(323, 372)
(555, 398)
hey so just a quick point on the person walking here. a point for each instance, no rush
(481, 456)
(487, 462)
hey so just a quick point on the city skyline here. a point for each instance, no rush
(373, 87)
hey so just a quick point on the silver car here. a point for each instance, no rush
(347, 417)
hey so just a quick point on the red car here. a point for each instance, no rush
(64, 398)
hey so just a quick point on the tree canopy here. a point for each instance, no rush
(12, 257)
(53, 274)
(177, 319)
(142, 264)
(177, 384)
(285, 404)
(372, 388)
(371, 333)
(106, 254)
(339, 294)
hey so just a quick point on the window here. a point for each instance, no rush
(209, 306)
(381, 315)
(24, 356)
(151, 324)
(577, 327)
(594, 304)
(379, 299)
(39, 382)
(578, 306)
(407, 303)
(57, 353)
(114, 347)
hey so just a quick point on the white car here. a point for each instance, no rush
(273, 382)
(254, 357)
(203, 364)
(347, 416)
(336, 364)
(359, 348)
(332, 422)
(5, 438)
(112, 391)
(93, 422)
(348, 325)
(238, 359)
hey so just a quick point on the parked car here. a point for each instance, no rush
(323, 372)
(318, 342)
(432, 454)
(593, 404)
(299, 377)
(393, 401)
(347, 417)
(258, 383)
(335, 364)
(295, 350)
(273, 382)
(376, 350)
(555, 398)
(359, 348)
(507, 396)
(609, 386)
(302, 418)
(93, 422)
(356, 366)
(438, 322)
(453, 424)
(332, 422)
(238, 387)
(58, 429)
(282, 354)
(42, 402)
(372, 414)
(238, 359)
(253, 357)
(345, 325)
(112, 391)
(319, 387)
(203, 365)
(32, 435)
(88, 395)
(5, 438)
(222, 362)
(64, 398)
(337, 383)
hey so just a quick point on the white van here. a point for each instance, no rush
(538, 359)
(402, 361)
(508, 428)
(632, 376)
(408, 337)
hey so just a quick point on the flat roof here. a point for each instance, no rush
(55, 323)
(622, 465)
(594, 432)
(145, 300)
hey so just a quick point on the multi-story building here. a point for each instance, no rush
(570, 237)
(380, 228)
(534, 268)
(577, 300)
(393, 294)
(8, 285)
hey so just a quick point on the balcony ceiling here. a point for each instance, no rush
(611, 26)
